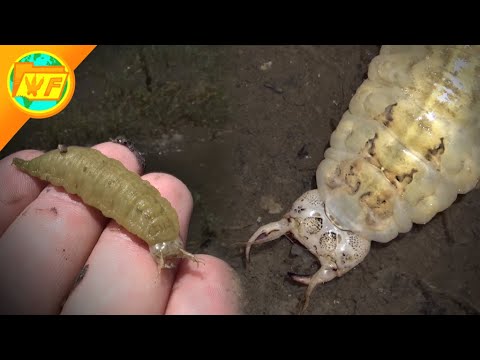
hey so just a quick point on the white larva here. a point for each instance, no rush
(406, 147)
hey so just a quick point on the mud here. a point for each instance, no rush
(245, 128)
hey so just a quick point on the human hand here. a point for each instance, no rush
(60, 256)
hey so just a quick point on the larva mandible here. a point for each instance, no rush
(402, 152)
(105, 184)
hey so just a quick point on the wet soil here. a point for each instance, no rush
(245, 128)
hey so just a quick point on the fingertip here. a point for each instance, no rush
(8, 169)
(177, 193)
(210, 288)
(173, 187)
(17, 189)
(122, 154)
(25, 154)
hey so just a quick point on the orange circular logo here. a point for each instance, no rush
(40, 84)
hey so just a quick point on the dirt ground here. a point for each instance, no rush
(245, 128)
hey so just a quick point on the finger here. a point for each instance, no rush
(123, 277)
(17, 189)
(44, 249)
(212, 288)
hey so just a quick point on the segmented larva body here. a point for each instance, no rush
(105, 184)
(406, 147)
(409, 142)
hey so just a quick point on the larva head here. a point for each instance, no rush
(167, 253)
(307, 221)
(338, 249)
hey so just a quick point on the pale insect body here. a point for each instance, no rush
(402, 152)
(105, 184)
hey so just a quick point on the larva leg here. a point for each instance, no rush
(267, 233)
(337, 255)
(166, 253)
(338, 250)
(190, 256)
(323, 275)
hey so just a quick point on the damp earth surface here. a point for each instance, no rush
(244, 127)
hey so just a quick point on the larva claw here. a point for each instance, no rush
(267, 233)
(337, 250)
(323, 275)
(192, 257)
(302, 279)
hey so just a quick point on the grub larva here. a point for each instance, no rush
(402, 152)
(105, 184)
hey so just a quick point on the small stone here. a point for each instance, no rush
(266, 66)
(269, 204)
